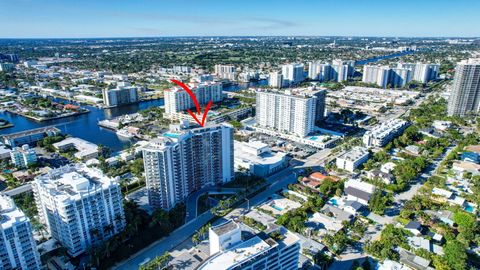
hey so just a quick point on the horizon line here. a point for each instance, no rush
(238, 36)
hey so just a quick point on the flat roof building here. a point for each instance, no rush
(292, 112)
(18, 249)
(277, 249)
(383, 133)
(257, 157)
(352, 159)
(80, 206)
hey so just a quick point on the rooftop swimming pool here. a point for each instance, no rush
(276, 207)
(171, 135)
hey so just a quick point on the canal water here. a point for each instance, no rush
(242, 86)
(84, 126)
(378, 58)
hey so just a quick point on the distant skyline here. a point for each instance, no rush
(149, 18)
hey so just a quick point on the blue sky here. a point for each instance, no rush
(140, 18)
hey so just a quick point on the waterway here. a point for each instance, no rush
(84, 126)
(241, 86)
(378, 58)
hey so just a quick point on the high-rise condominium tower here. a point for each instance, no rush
(179, 163)
(290, 112)
(80, 206)
(17, 246)
(465, 96)
(292, 73)
(177, 99)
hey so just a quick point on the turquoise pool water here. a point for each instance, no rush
(333, 202)
(171, 135)
(469, 208)
(277, 208)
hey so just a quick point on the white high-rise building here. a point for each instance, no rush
(23, 157)
(120, 96)
(399, 77)
(292, 73)
(289, 112)
(378, 75)
(177, 99)
(274, 249)
(421, 72)
(370, 74)
(18, 249)
(184, 161)
(225, 72)
(275, 80)
(342, 70)
(465, 96)
(319, 71)
(80, 206)
(384, 76)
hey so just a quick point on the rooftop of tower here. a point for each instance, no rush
(71, 181)
(470, 61)
(304, 92)
(9, 213)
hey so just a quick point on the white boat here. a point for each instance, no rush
(124, 133)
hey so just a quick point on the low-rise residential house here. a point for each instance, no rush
(414, 227)
(417, 242)
(444, 216)
(413, 261)
(472, 154)
(336, 213)
(353, 207)
(311, 183)
(470, 157)
(388, 167)
(413, 150)
(442, 193)
(386, 178)
(437, 238)
(431, 132)
(466, 166)
(391, 265)
(358, 191)
(315, 179)
(324, 224)
(441, 125)
(460, 201)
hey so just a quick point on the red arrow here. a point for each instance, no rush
(197, 105)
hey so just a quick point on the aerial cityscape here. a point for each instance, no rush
(254, 135)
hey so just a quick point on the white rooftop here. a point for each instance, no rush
(354, 154)
(84, 148)
(72, 181)
(256, 152)
(236, 254)
(367, 187)
(9, 213)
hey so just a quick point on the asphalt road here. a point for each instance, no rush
(277, 182)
